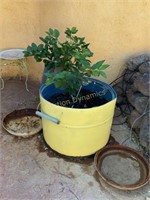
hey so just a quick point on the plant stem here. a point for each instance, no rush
(77, 94)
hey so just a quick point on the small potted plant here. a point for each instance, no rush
(76, 110)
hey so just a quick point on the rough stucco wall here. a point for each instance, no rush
(116, 29)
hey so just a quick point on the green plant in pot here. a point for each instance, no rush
(76, 110)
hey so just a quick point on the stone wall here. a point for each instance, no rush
(133, 97)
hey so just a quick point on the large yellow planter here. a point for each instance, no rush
(81, 132)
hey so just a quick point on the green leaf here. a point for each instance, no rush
(26, 54)
(98, 64)
(85, 45)
(77, 54)
(85, 62)
(88, 74)
(42, 39)
(86, 53)
(34, 46)
(40, 47)
(58, 83)
(47, 62)
(50, 31)
(74, 30)
(102, 67)
(75, 38)
(37, 58)
(95, 73)
(68, 32)
(56, 33)
(81, 40)
(29, 49)
(49, 81)
(103, 74)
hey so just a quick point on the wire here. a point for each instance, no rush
(116, 79)
(144, 113)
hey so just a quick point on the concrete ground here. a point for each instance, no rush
(31, 171)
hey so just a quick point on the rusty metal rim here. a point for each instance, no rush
(106, 150)
(16, 114)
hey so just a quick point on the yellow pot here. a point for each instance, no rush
(78, 132)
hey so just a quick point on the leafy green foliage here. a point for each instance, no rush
(71, 57)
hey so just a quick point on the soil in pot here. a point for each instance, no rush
(86, 99)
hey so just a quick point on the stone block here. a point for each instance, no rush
(142, 84)
(137, 100)
(120, 87)
(131, 119)
(145, 67)
(141, 104)
(134, 63)
(130, 76)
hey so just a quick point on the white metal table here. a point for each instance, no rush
(14, 57)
